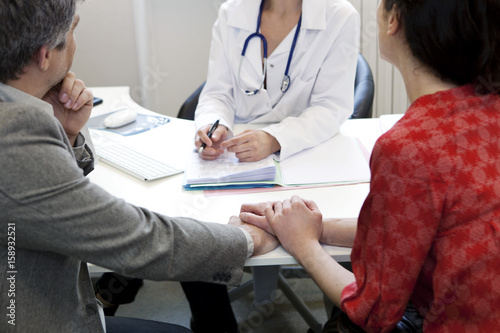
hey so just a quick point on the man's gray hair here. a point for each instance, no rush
(28, 25)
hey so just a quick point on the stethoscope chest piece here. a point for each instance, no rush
(285, 83)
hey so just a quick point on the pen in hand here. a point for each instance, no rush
(210, 132)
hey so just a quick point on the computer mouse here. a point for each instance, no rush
(120, 118)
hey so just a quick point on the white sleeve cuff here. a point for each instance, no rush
(250, 245)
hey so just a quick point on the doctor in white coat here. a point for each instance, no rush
(314, 43)
(286, 64)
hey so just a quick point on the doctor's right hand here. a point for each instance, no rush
(212, 149)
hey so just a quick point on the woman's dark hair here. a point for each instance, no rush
(458, 39)
(26, 26)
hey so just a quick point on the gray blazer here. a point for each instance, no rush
(62, 221)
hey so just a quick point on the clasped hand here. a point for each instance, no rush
(72, 104)
(249, 146)
(297, 223)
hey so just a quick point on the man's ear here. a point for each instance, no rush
(42, 58)
(394, 21)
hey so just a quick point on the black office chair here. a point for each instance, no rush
(189, 106)
(364, 91)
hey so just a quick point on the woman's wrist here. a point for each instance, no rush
(339, 232)
(309, 255)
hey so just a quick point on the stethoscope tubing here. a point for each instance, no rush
(285, 82)
(264, 43)
(286, 78)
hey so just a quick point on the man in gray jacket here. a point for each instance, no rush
(52, 219)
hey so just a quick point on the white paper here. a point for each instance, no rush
(389, 120)
(338, 160)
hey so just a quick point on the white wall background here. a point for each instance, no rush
(160, 49)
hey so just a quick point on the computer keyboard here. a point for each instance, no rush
(132, 162)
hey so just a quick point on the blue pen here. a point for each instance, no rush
(210, 132)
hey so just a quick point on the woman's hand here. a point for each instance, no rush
(299, 226)
(297, 223)
(255, 214)
(335, 231)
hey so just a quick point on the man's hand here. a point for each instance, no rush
(212, 149)
(252, 145)
(72, 103)
(262, 241)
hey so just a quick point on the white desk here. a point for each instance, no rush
(166, 196)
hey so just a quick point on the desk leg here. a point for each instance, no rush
(299, 305)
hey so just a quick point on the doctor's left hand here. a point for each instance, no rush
(72, 104)
(252, 145)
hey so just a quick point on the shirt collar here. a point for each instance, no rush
(13, 95)
(314, 14)
(246, 12)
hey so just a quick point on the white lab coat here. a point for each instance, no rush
(322, 71)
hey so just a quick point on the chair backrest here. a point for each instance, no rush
(189, 106)
(364, 90)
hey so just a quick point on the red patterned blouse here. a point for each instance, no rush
(429, 229)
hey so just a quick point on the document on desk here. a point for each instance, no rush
(228, 171)
(387, 121)
(339, 160)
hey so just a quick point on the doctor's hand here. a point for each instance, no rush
(252, 145)
(213, 147)
(72, 104)
(263, 242)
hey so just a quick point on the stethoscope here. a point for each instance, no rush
(285, 82)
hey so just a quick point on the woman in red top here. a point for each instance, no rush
(429, 230)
